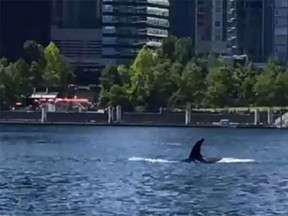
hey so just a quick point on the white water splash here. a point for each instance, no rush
(223, 160)
(235, 160)
(173, 144)
(151, 160)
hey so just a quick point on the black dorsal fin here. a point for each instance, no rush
(196, 150)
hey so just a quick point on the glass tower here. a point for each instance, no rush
(127, 25)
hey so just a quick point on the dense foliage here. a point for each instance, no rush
(38, 66)
(172, 76)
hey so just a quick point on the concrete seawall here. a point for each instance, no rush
(179, 118)
(166, 118)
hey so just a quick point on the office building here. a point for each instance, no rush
(22, 20)
(76, 30)
(203, 24)
(210, 26)
(249, 30)
(128, 25)
(182, 18)
(219, 26)
(281, 29)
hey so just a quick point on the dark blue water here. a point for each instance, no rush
(132, 171)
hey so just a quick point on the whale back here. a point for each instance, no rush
(196, 150)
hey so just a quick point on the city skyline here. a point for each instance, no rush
(92, 33)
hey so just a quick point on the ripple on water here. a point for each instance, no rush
(69, 177)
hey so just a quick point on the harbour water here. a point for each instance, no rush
(53, 170)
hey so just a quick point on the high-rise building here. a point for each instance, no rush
(22, 20)
(281, 29)
(219, 26)
(210, 26)
(76, 30)
(203, 23)
(130, 24)
(182, 18)
(249, 30)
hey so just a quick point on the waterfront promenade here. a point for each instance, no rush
(164, 119)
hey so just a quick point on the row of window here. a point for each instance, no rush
(159, 2)
(128, 41)
(281, 31)
(281, 3)
(154, 2)
(281, 49)
(132, 9)
(129, 19)
(127, 51)
(158, 22)
(158, 11)
(281, 12)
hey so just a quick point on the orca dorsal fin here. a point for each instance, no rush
(196, 150)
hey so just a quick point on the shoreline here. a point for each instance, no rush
(34, 123)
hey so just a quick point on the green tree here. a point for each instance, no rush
(220, 90)
(191, 86)
(141, 74)
(117, 95)
(22, 67)
(244, 80)
(2, 82)
(184, 50)
(110, 77)
(168, 47)
(57, 70)
(174, 76)
(160, 86)
(13, 83)
(271, 86)
(33, 52)
(36, 74)
(4, 62)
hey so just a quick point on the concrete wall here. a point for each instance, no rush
(76, 117)
(136, 118)
(21, 115)
(179, 118)
(54, 116)
(165, 118)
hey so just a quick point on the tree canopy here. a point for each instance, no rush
(174, 76)
(170, 76)
(37, 65)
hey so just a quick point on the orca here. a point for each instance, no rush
(196, 156)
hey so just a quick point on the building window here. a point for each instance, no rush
(218, 2)
(217, 31)
(109, 29)
(107, 19)
(217, 24)
(218, 9)
(217, 37)
(284, 3)
(281, 31)
(109, 40)
(107, 8)
(281, 49)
